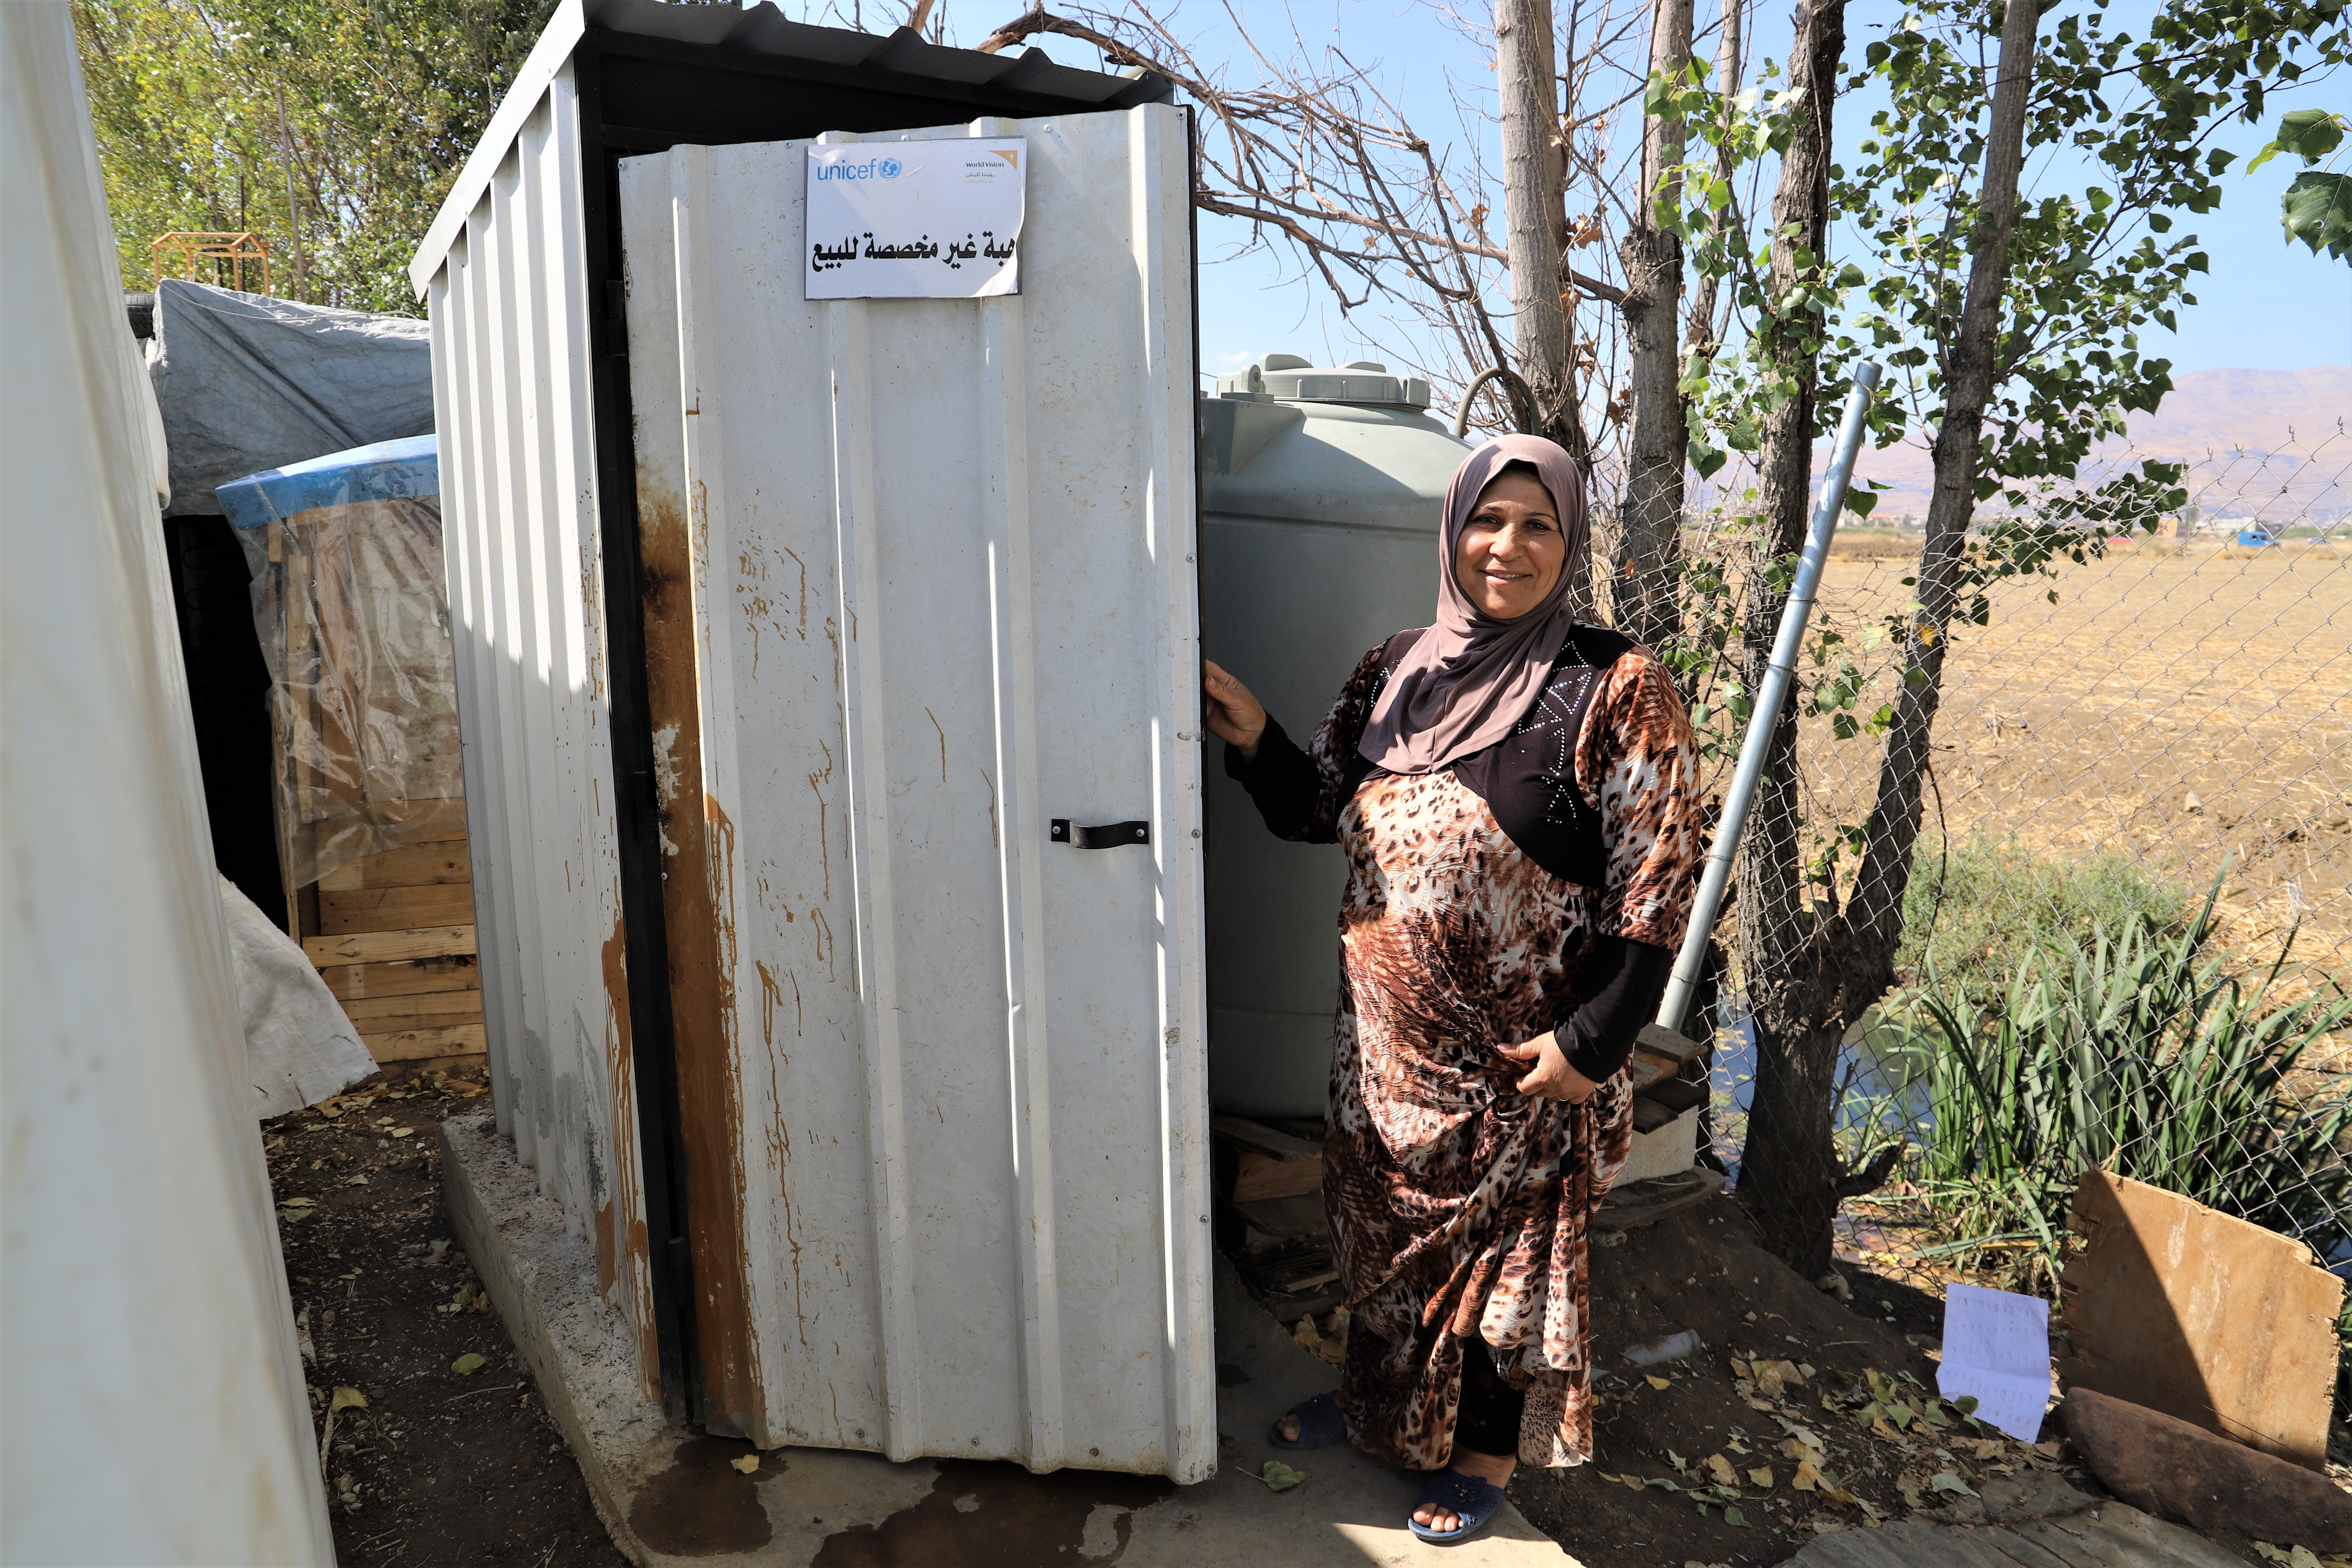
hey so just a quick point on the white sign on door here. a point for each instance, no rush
(915, 220)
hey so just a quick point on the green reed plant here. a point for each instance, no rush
(2144, 1050)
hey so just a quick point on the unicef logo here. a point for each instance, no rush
(889, 169)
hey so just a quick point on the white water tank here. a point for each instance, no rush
(1319, 503)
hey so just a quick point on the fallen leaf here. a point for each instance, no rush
(1733, 1516)
(1950, 1481)
(402, 1131)
(355, 1181)
(1657, 1383)
(1720, 1469)
(347, 1399)
(1807, 1475)
(747, 1464)
(1279, 1477)
(470, 1363)
(1760, 1478)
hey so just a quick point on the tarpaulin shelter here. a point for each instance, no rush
(247, 382)
(156, 1409)
(349, 597)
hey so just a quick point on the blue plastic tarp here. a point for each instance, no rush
(384, 471)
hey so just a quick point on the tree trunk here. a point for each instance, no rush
(1650, 518)
(1534, 222)
(1812, 972)
(1788, 1171)
(1972, 368)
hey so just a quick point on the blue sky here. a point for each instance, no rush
(2265, 305)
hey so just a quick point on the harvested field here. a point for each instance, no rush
(2184, 708)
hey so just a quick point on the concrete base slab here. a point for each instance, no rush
(669, 1495)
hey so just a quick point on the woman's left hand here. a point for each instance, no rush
(1549, 1075)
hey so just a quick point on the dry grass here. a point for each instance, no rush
(2180, 709)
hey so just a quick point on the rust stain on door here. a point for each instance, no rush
(698, 905)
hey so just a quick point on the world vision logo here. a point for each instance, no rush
(1010, 154)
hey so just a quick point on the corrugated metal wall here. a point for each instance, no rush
(919, 576)
(511, 395)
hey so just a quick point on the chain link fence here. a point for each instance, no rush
(2128, 934)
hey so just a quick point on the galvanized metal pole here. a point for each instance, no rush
(1779, 677)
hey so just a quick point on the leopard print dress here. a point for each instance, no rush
(1458, 1206)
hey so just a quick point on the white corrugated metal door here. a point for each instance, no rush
(918, 581)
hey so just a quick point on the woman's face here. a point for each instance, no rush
(1512, 550)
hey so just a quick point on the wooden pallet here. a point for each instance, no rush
(393, 936)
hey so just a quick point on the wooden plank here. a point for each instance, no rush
(1667, 1044)
(450, 860)
(382, 1014)
(377, 946)
(407, 1045)
(406, 977)
(1642, 1203)
(1286, 1219)
(1677, 1095)
(396, 908)
(1262, 1176)
(2156, 1310)
(1649, 1115)
(1244, 1133)
(432, 821)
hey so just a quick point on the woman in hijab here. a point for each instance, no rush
(1518, 797)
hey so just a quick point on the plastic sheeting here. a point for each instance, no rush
(155, 1411)
(299, 1048)
(249, 382)
(350, 603)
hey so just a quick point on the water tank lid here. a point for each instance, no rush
(1287, 378)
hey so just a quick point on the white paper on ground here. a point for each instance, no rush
(1997, 1350)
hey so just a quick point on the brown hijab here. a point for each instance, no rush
(1470, 677)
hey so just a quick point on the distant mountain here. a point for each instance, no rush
(2272, 444)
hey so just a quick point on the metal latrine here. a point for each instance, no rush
(631, 1054)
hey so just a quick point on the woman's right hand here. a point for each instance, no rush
(1234, 715)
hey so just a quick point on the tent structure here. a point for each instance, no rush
(156, 1409)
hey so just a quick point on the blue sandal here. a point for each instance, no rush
(1320, 1424)
(1472, 1500)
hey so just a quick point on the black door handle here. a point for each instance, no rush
(1111, 835)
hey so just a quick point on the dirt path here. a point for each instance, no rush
(440, 1469)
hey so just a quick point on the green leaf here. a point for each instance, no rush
(2310, 133)
(1708, 460)
(1279, 1477)
(2318, 210)
(1733, 1516)
(469, 1363)
(1858, 500)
